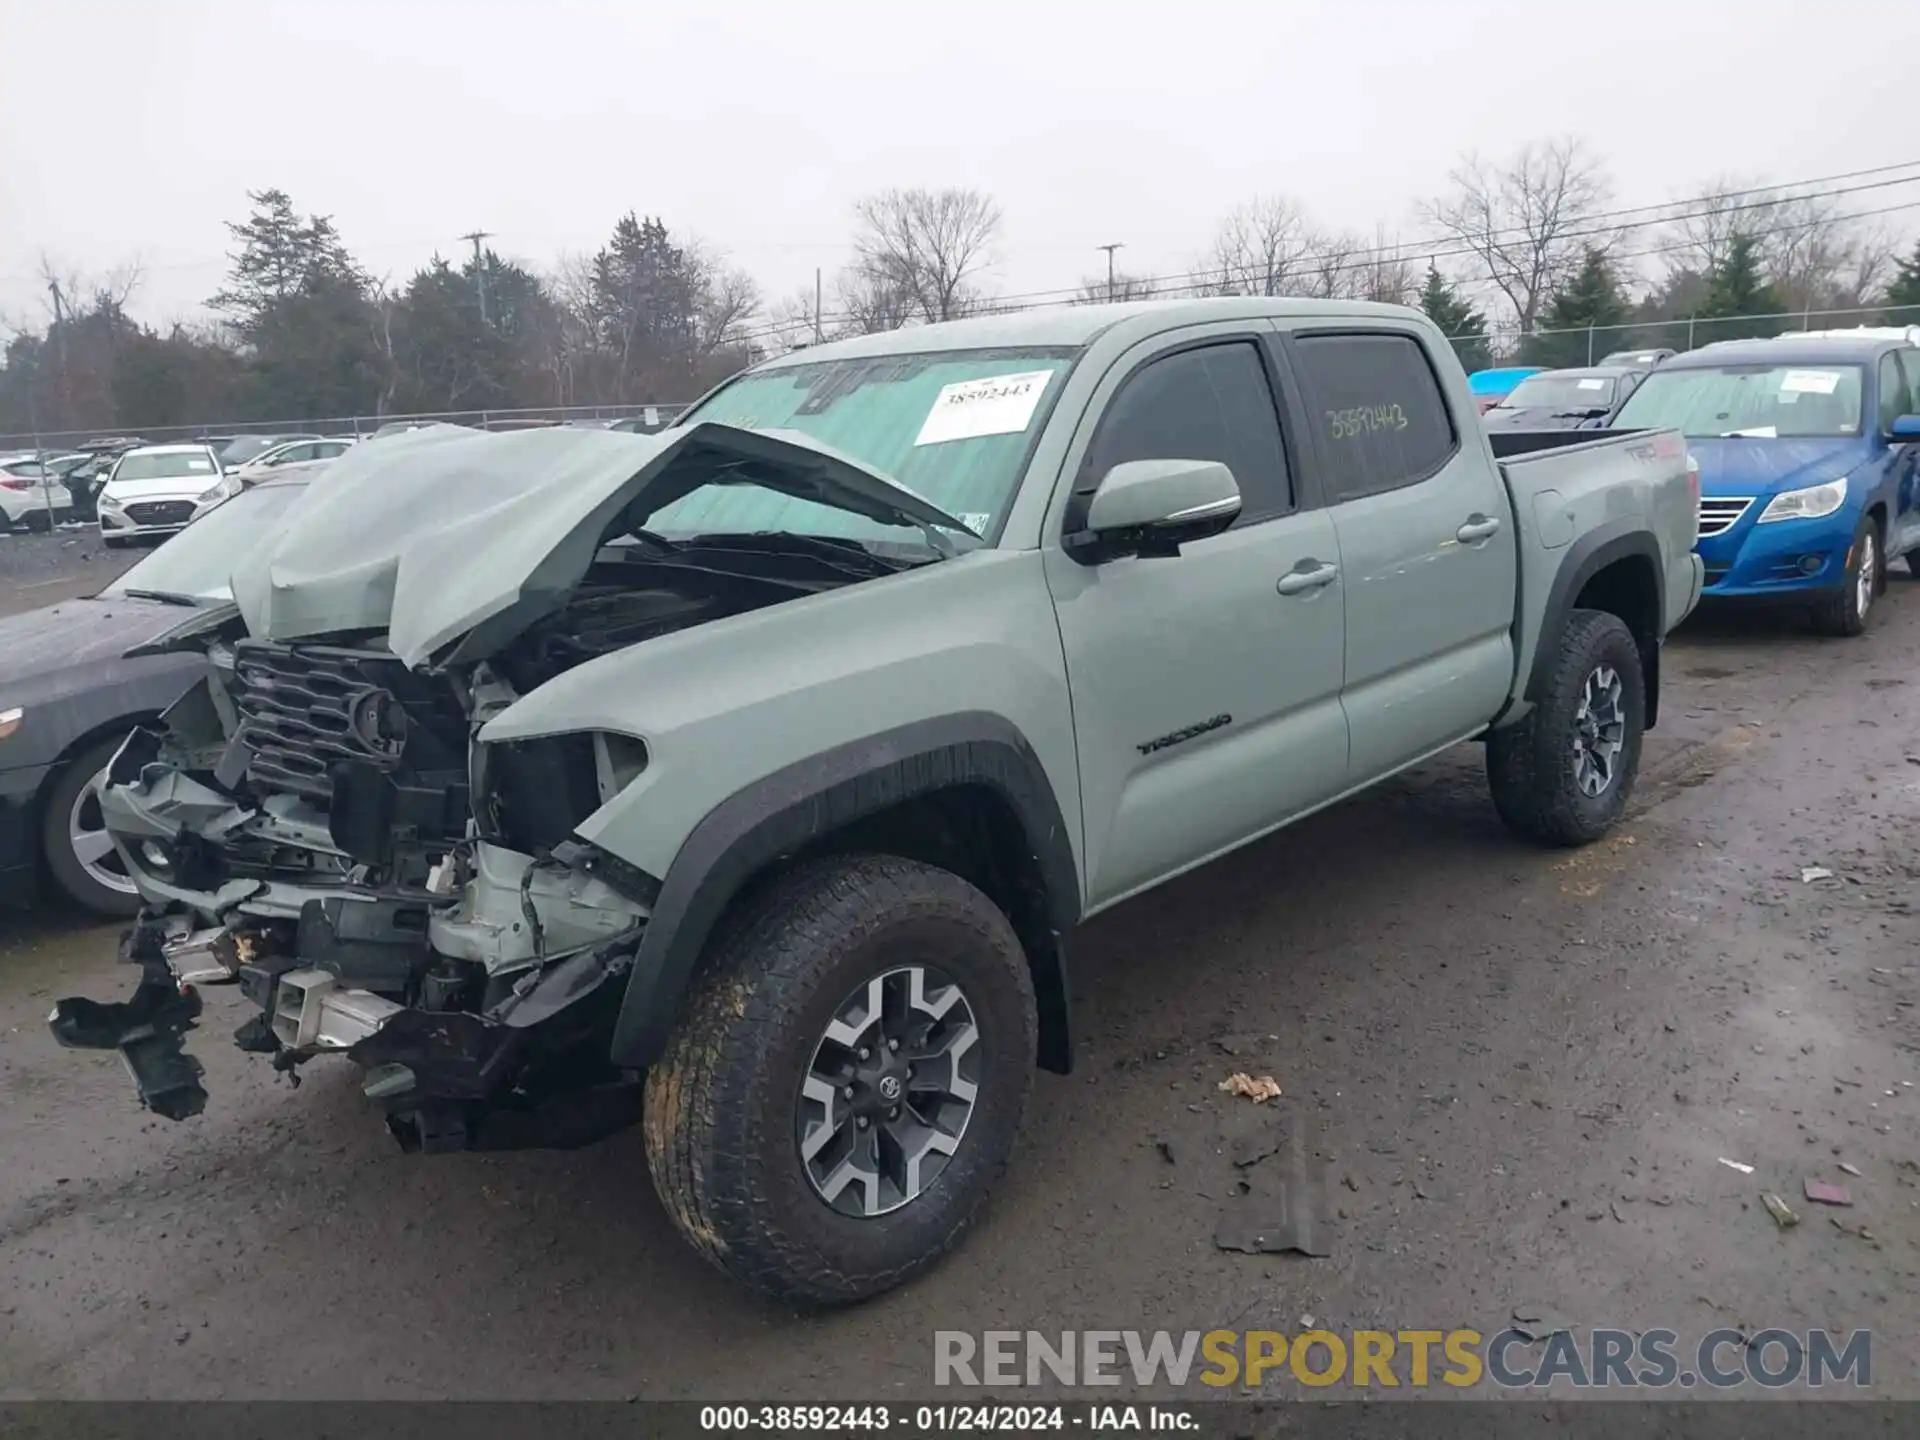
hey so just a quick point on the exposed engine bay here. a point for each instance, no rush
(320, 825)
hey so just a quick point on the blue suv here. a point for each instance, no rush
(1809, 453)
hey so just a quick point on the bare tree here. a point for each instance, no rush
(1261, 248)
(1529, 222)
(871, 300)
(929, 246)
(1815, 256)
(1098, 290)
(729, 298)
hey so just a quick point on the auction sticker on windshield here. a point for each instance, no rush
(1809, 382)
(996, 405)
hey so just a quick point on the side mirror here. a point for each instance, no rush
(1153, 507)
(1907, 427)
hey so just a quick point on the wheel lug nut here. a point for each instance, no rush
(862, 1122)
(864, 1052)
(847, 1093)
(894, 1114)
(893, 1044)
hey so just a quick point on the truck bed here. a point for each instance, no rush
(1595, 484)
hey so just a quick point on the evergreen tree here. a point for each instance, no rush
(1903, 295)
(1458, 320)
(1737, 289)
(1583, 321)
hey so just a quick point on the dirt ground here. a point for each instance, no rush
(1515, 1073)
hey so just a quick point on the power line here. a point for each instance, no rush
(1369, 257)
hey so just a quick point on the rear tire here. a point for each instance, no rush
(744, 1085)
(79, 859)
(1846, 611)
(1563, 774)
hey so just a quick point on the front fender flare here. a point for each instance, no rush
(790, 809)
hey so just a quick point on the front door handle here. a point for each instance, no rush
(1478, 527)
(1307, 575)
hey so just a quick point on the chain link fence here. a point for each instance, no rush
(1562, 348)
(646, 417)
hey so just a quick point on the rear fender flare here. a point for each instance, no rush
(1585, 558)
(793, 808)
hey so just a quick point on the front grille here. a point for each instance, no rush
(305, 708)
(161, 512)
(1718, 515)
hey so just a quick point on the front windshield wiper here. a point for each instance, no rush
(165, 597)
(660, 543)
(833, 550)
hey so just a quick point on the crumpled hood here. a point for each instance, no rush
(54, 650)
(452, 537)
(1741, 466)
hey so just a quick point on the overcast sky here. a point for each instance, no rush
(132, 130)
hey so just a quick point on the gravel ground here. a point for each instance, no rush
(1515, 1074)
(40, 570)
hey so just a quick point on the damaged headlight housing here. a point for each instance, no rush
(533, 794)
(1811, 502)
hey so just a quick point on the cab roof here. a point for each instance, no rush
(1824, 347)
(1073, 326)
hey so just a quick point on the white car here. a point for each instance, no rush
(28, 491)
(291, 452)
(157, 489)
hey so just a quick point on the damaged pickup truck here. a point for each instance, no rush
(746, 780)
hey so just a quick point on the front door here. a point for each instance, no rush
(1206, 686)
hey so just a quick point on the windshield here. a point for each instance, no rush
(165, 466)
(1764, 401)
(1561, 392)
(199, 560)
(952, 426)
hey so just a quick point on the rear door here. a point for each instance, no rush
(1427, 549)
(1206, 686)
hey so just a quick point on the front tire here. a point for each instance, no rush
(1845, 611)
(80, 859)
(848, 1080)
(1563, 774)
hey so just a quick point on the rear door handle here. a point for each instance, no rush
(1307, 575)
(1478, 528)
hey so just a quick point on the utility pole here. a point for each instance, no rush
(479, 267)
(816, 305)
(1117, 245)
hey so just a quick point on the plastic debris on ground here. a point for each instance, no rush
(1736, 1165)
(1536, 1322)
(1782, 1212)
(1259, 1091)
(1821, 1193)
(1811, 873)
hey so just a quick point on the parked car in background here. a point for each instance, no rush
(154, 491)
(1564, 399)
(69, 694)
(245, 449)
(649, 420)
(1639, 359)
(31, 496)
(1488, 386)
(290, 452)
(84, 480)
(1807, 446)
(400, 427)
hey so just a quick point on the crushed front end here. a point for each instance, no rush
(300, 827)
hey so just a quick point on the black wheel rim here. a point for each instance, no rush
(889, 1092)
(1599, 732)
